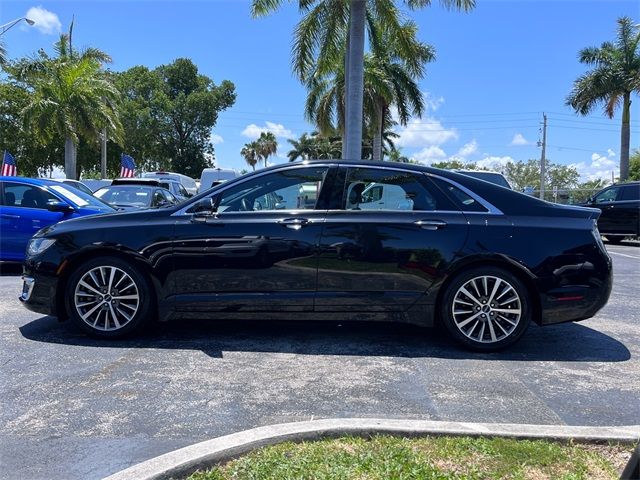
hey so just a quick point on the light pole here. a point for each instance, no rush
(4, 28)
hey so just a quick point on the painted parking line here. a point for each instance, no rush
(623, 255)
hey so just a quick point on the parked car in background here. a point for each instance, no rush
(136, 196)
(29, 204)
(187, 182)
(75, 184)
(480, 259)
(620, 207)
(94, 184)
(215, 176)
(172, 185)
(493, 177)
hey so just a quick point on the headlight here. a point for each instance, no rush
(38, 245)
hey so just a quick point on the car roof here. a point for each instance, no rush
(42, 182)
(133, 185)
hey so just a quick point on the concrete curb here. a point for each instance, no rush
(184, 461)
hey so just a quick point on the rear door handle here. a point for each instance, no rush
(295, 223)
(430, 224)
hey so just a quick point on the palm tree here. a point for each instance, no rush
(70, 96)
(303, 148)
(387, 82)
(267, 146)
(250, 154)
(3, 54)
(615, 76)
(331, 27)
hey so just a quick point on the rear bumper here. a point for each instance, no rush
(578, 301)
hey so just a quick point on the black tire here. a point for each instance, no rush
(490, 324)
(131, 320)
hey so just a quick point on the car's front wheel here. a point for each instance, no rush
(486, 308)
(108, 298)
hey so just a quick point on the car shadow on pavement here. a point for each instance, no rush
(10, 269)
(569, 342)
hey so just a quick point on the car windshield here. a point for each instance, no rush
(79, 198)
(134, 196)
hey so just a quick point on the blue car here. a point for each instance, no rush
(29, 204)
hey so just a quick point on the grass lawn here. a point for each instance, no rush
(389, 458)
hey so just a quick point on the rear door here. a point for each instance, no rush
(387, 242)
(628, 209)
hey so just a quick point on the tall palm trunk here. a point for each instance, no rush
(346, 93)
(70, 158)
(625, 135)
(354, 79)
(377, 136)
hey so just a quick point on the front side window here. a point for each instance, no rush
(380, 189)
(294, 189)
(607, 195)
(26, 196)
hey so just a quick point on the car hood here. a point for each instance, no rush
(105, 221)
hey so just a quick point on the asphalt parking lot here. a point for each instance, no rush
(76, 408)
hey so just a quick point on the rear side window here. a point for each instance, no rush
(630, 192)
(379, 189)
(463, 200)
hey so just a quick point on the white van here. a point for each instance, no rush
(215, 176)
(382, 196)
(188, 183)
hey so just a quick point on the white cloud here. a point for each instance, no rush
(611, 153)
(518, 140)
(468, 149)
(431, 102)
(45, 21)
(423, 133)
(215, 139)
(599, 166)
(429, 155)
(253, 131)
(494, 162)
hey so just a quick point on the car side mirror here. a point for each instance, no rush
(59, 206)
(204, 209)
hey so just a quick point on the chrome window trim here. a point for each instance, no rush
(224, 187)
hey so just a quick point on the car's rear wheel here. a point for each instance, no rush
(108, 298)
(486, 308)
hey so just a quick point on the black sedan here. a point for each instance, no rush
(301, 241)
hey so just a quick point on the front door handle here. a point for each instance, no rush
(430, 224)
(295, 223)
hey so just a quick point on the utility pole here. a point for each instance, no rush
(543, 159)
(103, 154)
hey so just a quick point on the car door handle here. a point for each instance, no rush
(6, 215)
(430, 224)
(295, 223)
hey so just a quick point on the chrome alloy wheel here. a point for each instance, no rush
(487, 309)
(106, 298)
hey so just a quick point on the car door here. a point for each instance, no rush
(388, 240)
(23, 212)
(628, 209)
(258, 251)
(608, 222)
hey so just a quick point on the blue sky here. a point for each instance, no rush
(497, 69)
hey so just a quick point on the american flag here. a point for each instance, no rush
(9, 167)
(128, 166)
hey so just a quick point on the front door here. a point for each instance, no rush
(389, 240)
(258, 251)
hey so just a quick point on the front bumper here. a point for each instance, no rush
(39, 290)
